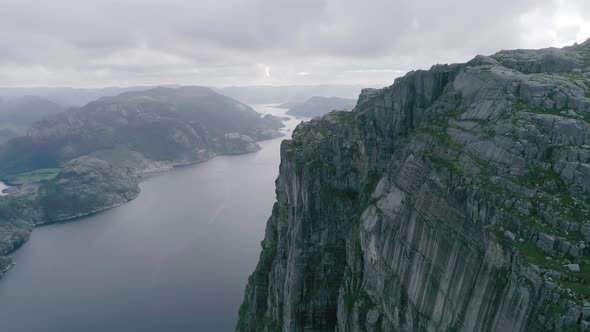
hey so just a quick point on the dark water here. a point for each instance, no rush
(175, 259)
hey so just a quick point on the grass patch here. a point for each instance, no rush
(536, 256)
(558, 198)
(578, 288)
(441, 136)
(554, 308)
(522, 106)
(345, 117)
(44, 174)
(449, 164)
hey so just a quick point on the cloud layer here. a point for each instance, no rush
(249, 42)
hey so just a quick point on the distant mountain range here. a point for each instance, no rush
(318, 106)
(67, 96)
(17, 114)
(91, 158)
(179, 125)
(282, 94)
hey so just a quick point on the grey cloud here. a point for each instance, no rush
(232, 42)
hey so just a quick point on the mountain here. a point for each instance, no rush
(91, 158)
(7, 134)
(17, 114)
(317, 106)
(281, 94)
(174, 126)
(456, 199)
(68, 97)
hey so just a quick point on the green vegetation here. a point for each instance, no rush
(372, 181)
(520, 105)
(578, 288)
(449, 164)
(587, 82)
(536, 256)
(44, 174)
(441, 136)
(557, 198)
(554, 308)
(3, 210)
(344, 117)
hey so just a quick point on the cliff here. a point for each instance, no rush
(456, 199)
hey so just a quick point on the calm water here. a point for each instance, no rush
(175, 259)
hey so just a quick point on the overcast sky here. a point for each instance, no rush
(92, 43)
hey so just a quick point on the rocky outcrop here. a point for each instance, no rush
(86, 185)
(454, 200)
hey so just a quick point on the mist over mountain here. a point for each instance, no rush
(68, 96)
(282, 94)
(413, 166)
(317, 106)
(17, 114)
(165, 124)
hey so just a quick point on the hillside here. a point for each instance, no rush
(173, 126)
(17, 114)
(456, 199)
(89, 159)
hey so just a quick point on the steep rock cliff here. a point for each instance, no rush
(456, 199)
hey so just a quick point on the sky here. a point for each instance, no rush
(95, 43)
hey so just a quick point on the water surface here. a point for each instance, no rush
(175, 259)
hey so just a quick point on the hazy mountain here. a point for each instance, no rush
(316, 106)
(17, 114)
(162, 124)
(7, 134)
(282, 94)
(91, 158)
(67, 96)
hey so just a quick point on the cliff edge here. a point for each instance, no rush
(456, 199)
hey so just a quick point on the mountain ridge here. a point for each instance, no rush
(318, 106)
(89, 159)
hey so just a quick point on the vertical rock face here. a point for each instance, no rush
(454, 200)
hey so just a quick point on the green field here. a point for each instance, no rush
(34, 176)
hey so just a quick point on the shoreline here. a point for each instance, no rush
(143, 176)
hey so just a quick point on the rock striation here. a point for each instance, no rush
(456, 199)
